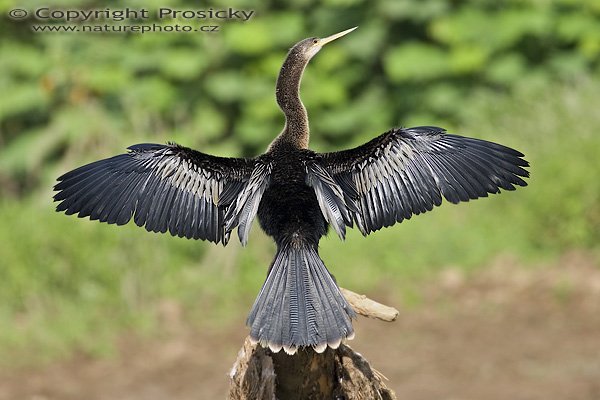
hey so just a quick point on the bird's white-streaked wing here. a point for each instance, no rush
(407, 171)
(163, 187)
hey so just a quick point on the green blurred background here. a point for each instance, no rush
(521, 72)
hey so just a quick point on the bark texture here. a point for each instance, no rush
(259, 374)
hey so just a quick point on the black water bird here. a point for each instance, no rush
(296, 193)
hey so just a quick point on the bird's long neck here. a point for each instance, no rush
(295, 132)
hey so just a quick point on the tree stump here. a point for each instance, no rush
(342, 373)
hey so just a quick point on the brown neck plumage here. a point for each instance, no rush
(295, 132)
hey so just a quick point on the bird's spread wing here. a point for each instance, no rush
(167, 187)
(407, 171)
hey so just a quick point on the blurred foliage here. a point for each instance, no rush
(521, 72)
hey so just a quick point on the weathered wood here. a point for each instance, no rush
(369, 308)
(253, 375)
(305, 374)
(357, 379)
(260, 374)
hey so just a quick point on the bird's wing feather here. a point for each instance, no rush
(163, 187)
(243, 211)
(407, 171)
(334, 203)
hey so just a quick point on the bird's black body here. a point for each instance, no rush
(297, 195)
(289, 208)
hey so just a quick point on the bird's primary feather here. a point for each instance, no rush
(163, 187)
(406, 171)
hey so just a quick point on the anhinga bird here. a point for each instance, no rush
(296, 193)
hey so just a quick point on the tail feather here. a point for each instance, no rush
(300, 304)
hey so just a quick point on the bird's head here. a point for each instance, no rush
(307, 48)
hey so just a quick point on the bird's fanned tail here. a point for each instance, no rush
(300, 304)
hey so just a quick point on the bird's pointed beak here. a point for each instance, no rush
(324, 41)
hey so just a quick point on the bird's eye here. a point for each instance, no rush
(315, 41)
